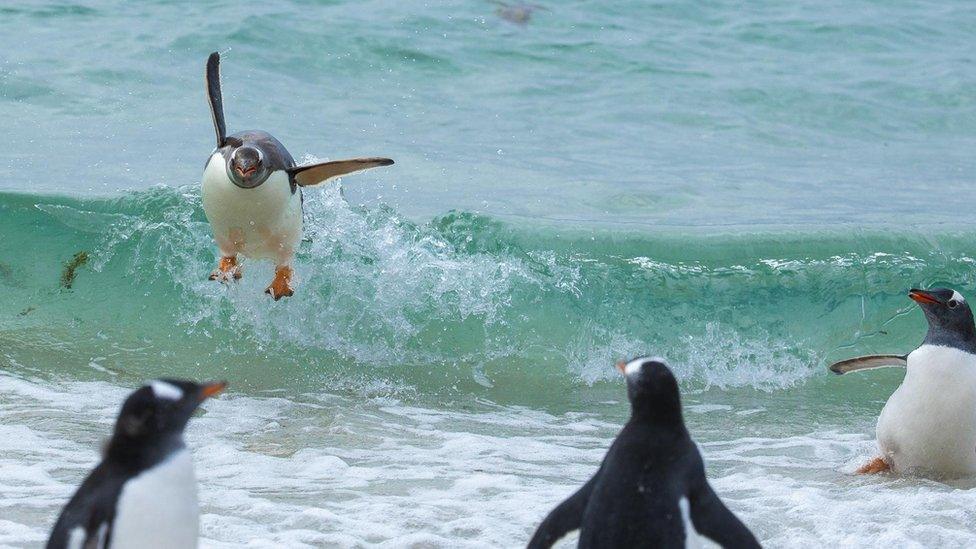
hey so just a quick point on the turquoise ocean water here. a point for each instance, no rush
(748, 189)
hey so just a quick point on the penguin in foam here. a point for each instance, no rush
(928, 425)
(651, 489)
(144, 492)
(252, 194)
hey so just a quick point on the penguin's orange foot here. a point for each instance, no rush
(227, 270)
(873, 467)
(281, 285)
(223, 276)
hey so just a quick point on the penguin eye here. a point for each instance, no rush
(952, 303)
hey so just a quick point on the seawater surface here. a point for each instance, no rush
(746, 189)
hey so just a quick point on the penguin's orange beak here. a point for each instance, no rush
(621, 367)
(212, 389)
(921, 296)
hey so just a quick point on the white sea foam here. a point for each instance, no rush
(332, 470)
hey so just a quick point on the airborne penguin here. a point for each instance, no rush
(252, 194)
(650, 490)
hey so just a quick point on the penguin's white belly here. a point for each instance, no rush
(929, 423)
(260, 223)
(159, 508)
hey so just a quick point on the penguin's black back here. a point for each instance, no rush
(635, 498)
(92, 508)
(651, 489)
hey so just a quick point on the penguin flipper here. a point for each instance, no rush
(92, 532)
(713, 520)
(564, 518)
(313, 174)
(869, 362)
(215, 98)
(87, 519)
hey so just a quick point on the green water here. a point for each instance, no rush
(748, 189)
(462, 303)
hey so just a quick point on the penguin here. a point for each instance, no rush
(252, 194)
(650, 490)
(520, 14)
(928, 425)
(143, 494)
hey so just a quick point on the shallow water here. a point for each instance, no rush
(318, 469)
(748, 191)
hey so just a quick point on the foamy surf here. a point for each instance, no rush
(321, 469)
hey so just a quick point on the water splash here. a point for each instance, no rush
(464, 300)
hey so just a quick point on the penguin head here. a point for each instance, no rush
(949, 316)
(652, 389)
(160, 410)
(246, 167)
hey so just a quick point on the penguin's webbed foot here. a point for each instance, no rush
(222, 276)
(873, 467)
(227, 270)
(281, 285)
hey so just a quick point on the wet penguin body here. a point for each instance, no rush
(264, 223)
(252, 194)
(144, 492)
(928, 425)
(651, 489)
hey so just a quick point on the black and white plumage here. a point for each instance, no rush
(928, 425)
(252, 193)
(143, 494)
(650, 490)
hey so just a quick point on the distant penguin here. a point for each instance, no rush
(928, 425)
(252, 195)
(650, 490)
(520, 14)
(144, 492)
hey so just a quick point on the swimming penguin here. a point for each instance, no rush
(650, 490)
(520, 14)
(144, 492)
(928, 425)
(252, 194)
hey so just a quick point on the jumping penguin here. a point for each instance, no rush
(928, 425)
(144, 492)
(252, 195)
(650, 490)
